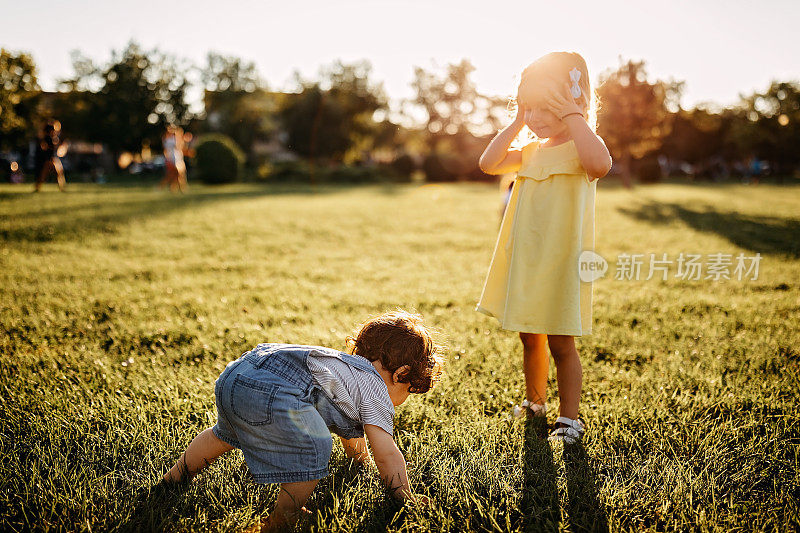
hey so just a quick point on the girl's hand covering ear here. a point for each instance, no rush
(519, 120)
(562, 103)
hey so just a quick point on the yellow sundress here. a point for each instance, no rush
(533, 284)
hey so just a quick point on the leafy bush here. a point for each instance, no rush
(444, 167)
(289, 171)
(647, 169)
(351, 174)
(403, 166)
(388, 172)
(300, 171)
(218, 159)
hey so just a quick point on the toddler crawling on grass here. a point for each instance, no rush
(279, 404)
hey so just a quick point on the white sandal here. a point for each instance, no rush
(528, 408)
(568, 430)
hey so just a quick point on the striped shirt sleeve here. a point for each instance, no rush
(361, 395)
(376, 406)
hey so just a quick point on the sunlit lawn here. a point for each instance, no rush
(119, 307)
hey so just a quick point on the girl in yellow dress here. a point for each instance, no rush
(533, 285)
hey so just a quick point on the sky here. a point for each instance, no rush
(720, 48)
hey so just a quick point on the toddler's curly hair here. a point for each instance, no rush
(400, 338)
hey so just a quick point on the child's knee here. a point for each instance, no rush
(561, 346)
(294, 495)
(531, 340)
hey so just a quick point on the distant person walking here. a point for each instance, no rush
(175, 170)
(49, 150)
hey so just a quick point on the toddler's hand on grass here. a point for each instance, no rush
(364, 467)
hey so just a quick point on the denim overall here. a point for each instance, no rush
(269, 405)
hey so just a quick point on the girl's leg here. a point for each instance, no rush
(202, 451)
(568, 372)
(535, 365)
(173, 177)
(182, 178)
(59, 168)
(289, 505)
(167, 179)
(40, 179)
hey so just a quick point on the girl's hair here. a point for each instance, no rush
(396, 339)
(550, 72)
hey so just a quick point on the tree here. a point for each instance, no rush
(457, 115)
(128, 102)
(329, 118)
(229, 74)
(19, 89)
(454, 108)
(693, 136)
(245, 117)
(236, 102)
(770, 125)
(633, 112)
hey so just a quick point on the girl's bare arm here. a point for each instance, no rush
(594, 155)
(496, 158)
(592, 151)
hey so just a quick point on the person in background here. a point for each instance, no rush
(175, 169)
(49, 150)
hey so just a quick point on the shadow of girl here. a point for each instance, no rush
(585, 511)
(335, 494)
(540, 505)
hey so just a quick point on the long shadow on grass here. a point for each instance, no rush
(584, 510)
(154, 508)
(540, 505)
(76, 219)
(376, 512)
(764, 234)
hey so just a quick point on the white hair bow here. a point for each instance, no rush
(575, 90)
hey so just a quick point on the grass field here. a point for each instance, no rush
(119, 307)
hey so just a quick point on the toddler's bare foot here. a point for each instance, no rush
(276, 522)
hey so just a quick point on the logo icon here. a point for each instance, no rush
(591, 266)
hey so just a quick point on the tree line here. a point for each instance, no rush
(342, 122)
